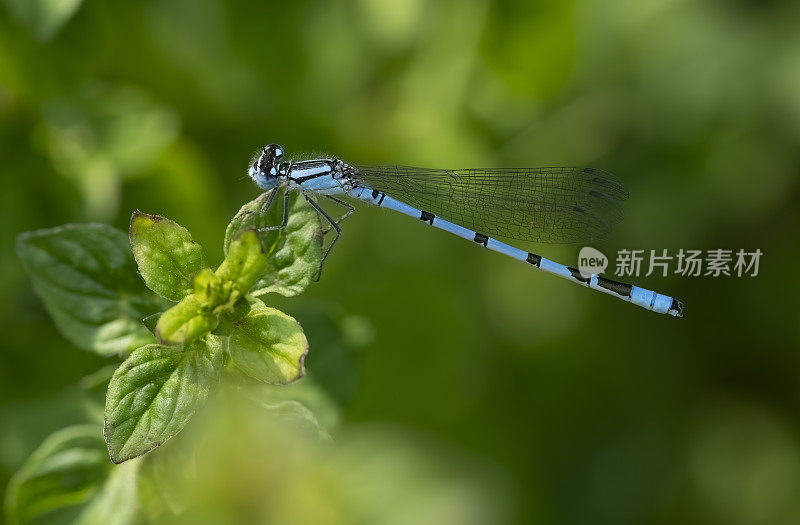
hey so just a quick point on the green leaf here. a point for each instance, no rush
(229, 317)
(167, 256)
(209, 289)
(86, 276)
(67, 470)
(253, 215)
(295, 252)
(69, 479)
(43, 18)
(185, 322)
(268, 345)
(118, 501)
(94, 387)
(155, 392)
(302, 400)
(245, 262)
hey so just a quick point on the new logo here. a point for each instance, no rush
(591, 261)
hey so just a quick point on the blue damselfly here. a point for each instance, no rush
(549, 205)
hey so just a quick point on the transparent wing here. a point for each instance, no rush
(552, 205)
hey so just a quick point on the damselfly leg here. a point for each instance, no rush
(285, 219)
(346, 205)
(333, 224)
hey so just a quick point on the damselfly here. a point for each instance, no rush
(549, 205)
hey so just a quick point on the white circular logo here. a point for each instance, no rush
(591, 261)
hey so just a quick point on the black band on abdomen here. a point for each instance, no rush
(621, 289)
(576, 274)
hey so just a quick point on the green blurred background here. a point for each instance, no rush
(555, 404)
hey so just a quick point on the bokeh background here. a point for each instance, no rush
(467, 386)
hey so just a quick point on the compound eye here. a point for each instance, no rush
(274, 151)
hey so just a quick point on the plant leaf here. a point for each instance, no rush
(185, 322)
(302, 400)
(295, 252)
(155, 392)
(209, 289)
(168, 471)
(93, 392)
(245, 262)
(67, 470)
(268, 345)
(86, 276)
(167, 256)
(118, 501)
(258, 213)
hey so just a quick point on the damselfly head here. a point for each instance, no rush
(264, 168)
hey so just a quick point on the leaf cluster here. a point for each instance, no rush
(183, 324)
